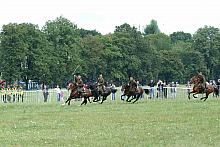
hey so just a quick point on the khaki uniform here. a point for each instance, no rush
(202, 82)
(80, 85)
(101, 84)
(133, 85)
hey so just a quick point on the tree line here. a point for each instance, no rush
(51, 54)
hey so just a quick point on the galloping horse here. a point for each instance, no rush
(197, 89)
(74, 94)
(94, 89)
(128, 92)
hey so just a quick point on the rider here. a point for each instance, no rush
(133, 84)
(202, 83)
(100, 82)
(79, 83)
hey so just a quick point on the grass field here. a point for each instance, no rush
(180, 123)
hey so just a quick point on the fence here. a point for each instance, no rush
(37, 95)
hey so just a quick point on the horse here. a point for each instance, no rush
(2, 82)
(197, 89)
(103, 95)
(129, 93)
(74, 94)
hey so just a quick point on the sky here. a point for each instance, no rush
(104, 15)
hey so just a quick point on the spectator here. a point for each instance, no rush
(188, 86)
(151, 84)
(62, 96)
(45, 92)
(58, 90)
(113, 89)
(160, 89)
(173, 90)
(165, 89)
(218, 85)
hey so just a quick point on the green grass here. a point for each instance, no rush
(179, 123)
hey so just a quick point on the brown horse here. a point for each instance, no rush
(131, 93)
(74, 94)
(198, 89)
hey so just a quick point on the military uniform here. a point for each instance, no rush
(133, 85)
(80, 84)
(101, 82)
(202, 82)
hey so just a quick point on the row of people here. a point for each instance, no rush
(11, 93)
(161, 90)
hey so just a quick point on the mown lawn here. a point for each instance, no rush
(180, 123)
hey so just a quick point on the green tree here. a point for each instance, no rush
(62, 35)
(152, 28)
(159, 41)
(84, 32)
(206, 40)
(22, 50)
(171, 67)
(130, 43)
(180, 36)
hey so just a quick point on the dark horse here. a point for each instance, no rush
(107, 91)
(74, 94)
(197, 89)
(131, 93)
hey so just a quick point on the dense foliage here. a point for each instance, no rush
(52, 53)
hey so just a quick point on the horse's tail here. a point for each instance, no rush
(216, 91)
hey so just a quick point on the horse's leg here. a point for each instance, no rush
(84, 101)
(138, 96)
(68, 100)
(95, 99)
(89, 100)
(103, 99)
(189, 94)
(195, 94)
(133, 97)
(122, 96)
(206, 96)
(127, 100)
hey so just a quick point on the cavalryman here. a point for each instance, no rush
(133, 84)
(100, 82)
(80, 84)
(202, 83)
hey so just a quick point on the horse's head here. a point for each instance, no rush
(194, 80)
(125, 88)
(71, 86)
